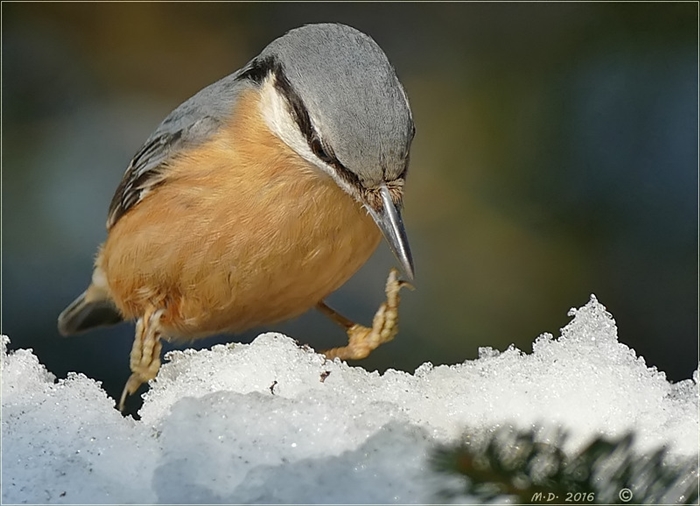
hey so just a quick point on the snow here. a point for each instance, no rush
(275, 422)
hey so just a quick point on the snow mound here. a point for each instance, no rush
(275, 422)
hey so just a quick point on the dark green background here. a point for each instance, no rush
(555, 157)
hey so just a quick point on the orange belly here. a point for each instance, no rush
(243, 232)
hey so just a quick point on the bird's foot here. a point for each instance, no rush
(144, 360)
(363, 340)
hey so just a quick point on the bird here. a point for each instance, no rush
(256, 198)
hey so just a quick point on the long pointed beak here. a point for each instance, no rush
(390, 223)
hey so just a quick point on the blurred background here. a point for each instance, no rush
(556, 156)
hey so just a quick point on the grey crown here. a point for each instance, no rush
(352, 95)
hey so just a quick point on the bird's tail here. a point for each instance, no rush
(94, 308)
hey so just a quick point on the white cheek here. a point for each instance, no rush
(275, 112)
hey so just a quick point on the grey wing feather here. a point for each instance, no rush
(192, 123)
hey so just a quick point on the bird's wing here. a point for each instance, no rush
(192, 123)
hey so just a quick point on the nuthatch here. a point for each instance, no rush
(258, 197)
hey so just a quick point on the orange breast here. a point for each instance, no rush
(242, 233)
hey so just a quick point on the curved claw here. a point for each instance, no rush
(385, 325)
(145, 353)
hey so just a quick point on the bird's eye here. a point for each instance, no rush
(318, 150)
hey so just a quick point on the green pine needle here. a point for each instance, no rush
(515, 463)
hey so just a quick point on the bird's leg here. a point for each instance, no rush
(145, 354)
(362, 340)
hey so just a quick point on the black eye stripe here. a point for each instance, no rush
(257, 72)
(259, 69)
(319, 151)
(301, 116)
(298, 109)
